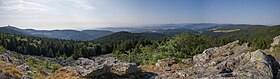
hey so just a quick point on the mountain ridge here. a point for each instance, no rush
(60, 34)
(157, 31)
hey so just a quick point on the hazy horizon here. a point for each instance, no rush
(121, 26)
(93, 14)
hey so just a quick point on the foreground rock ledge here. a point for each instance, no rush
(231, 61)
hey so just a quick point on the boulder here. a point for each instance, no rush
(221, 52)
(87, 67)
(165, 63)
(117, 65)
(103, 65)
(256, 67)
(125, 68)
(275, 44)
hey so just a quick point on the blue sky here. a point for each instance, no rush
(90, 14)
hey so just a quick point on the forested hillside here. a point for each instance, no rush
(69, 48)
(49, 47)
(259, 36)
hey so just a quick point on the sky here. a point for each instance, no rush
(91, 14)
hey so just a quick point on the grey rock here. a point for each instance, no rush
(102, 65)
(24, 67)
(125, 68)
(165, 63)
(27, 77)
(161, 64)
(231, 61)
(117, 65)
(87, 67)
(187, 61)
(276, 41)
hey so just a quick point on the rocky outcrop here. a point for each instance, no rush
(28, 66)
(221, 52)
(83, 67)
(116, 65)
(275, 47)
(231, 61)
(86, 66)
(276, 41)
(8, 57)
(274, 52)
(103, 65)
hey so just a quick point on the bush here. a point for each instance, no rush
(2, 50)
(42, 65)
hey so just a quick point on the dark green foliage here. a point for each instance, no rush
(69, 48)
(49, 47)
(180, 46)
(123, 41)
(2, 50)
(42, 65)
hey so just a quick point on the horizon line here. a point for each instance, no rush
(134, 26)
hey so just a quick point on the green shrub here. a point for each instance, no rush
(179, 47)
(42, 65)
(2, 50)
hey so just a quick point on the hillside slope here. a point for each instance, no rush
(257, 35)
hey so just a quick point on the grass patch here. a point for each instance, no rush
(10, 69)
(63, 73)
(44, 65)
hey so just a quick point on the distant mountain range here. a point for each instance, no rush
(151, 31)
(60, 34)
(155, 28)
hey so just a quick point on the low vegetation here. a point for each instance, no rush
(179, 47)
(42, 65)
(63, 73)
(2, 50)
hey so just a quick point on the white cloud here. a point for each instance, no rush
(83, 4)
(22, 6)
